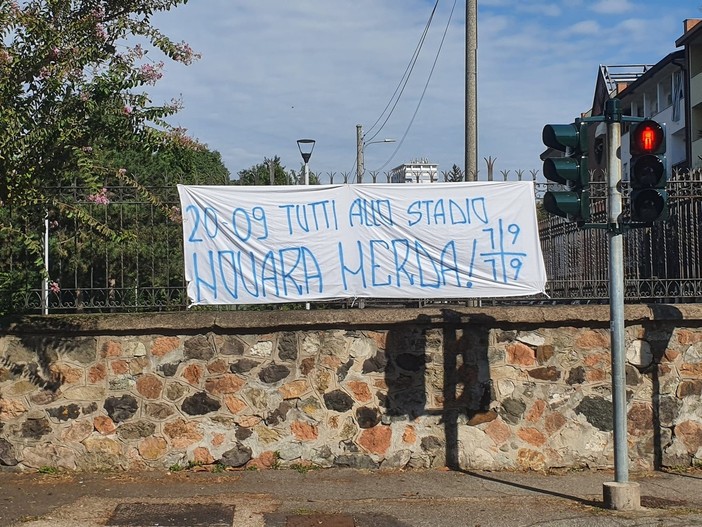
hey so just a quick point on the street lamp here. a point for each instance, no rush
(306, 146)
(360, 146)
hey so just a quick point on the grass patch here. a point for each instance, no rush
(303, 468)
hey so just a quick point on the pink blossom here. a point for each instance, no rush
(150, 73)
(174, 214)
(121, 172)
(54, 287)
(179, 136)
(5, 57)
(185, 54)
(175, 104)
(98, 13)
(100, 31)
(137, 51)
(99, 197)
(127, 110)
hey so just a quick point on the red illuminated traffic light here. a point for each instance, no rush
(648, 199)
(647, 137)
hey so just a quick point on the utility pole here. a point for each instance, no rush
(359, 154)
(471, 149)
(471, 124)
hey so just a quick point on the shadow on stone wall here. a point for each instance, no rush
(467, 387)
(459, 388)
(405, 369)
(665, 408)
(36, 358)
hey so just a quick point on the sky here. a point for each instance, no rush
(275, 71)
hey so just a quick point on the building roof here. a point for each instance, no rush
(652, 71)
(693, 29)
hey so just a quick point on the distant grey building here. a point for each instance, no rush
(418, 171)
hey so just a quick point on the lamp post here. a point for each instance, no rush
(360, 146)
(306, 146)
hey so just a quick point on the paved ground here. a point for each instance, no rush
(341, 498)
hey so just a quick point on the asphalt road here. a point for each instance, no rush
(341, 498)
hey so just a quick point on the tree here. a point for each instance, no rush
(260, 174)
(454, 175)
(71, 94)
(145, 266)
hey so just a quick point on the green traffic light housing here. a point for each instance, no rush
(561, 136)
(566, 204)
(648, 199)
(570, 170)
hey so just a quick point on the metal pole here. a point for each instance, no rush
(471, 150)
(46, 264)
(616, 289)
(307, 182)
(359, 154)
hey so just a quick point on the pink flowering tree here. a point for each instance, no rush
(74, 76)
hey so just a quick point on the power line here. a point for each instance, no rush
(404, 80)
(426, 85)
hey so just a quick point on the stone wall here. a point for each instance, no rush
(477, 388)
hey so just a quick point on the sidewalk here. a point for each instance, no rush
(340, 498)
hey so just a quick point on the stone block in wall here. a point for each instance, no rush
(182, 433)
(121, 408)
(689, 388)
(7, 454)
(238, 456)
(149, 386)
(165, 348)
(49, 455)
(224, 384)
(244, 365)
(288, 346)
(598, 412)
(199, 347)
(338, 401)
(200, 404)
(152, 448)
(273, 373)
(135, 430)
(35, 428)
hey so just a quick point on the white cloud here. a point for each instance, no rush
(612, 6)
(586, 27)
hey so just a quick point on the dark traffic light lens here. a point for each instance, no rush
(647, 205)
(647, 172)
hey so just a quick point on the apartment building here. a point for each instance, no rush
(658, 94)
(691, 41)
(669, 92)
(417, 171)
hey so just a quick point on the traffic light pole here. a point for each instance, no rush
(620, 494)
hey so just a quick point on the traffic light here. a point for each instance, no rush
(570, 170)
(649, 199)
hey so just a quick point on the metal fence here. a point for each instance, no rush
(139, 267)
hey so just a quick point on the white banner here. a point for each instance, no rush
(260, 245)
